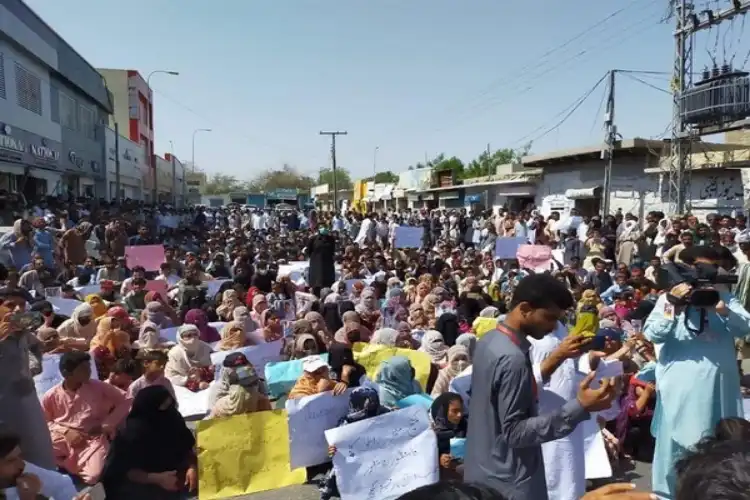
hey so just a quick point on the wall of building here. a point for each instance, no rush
(131, 160)
(117, 83)
(164, 182)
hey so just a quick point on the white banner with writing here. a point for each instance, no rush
(382, 458)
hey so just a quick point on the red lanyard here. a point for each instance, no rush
(513, 336)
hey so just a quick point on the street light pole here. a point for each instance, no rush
(152, 159)
(195, 132)
(375, 160)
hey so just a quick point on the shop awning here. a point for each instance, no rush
(451, 195)
(583, 193)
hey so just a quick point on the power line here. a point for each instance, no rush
(568, 112)
(635, 78)
(598, 111)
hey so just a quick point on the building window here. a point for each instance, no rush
(2, 76)
(144, 113)
(54, 101)
(28, 90)
(68, 114)
(87, 122)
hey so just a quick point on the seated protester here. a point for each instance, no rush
(154, 313)
(243, 396)
(44, 308)
(110, 272)
(127, 324)
(97, 305)
(83, 279)
(107, 291)
(633, 425)
(168, 274)
(78, 331)
(68, 273)
(127, 284)
(68, 292)
(346, 372)
(458, 360)
(135, 300)
(32, 282)
(153, 364)
(82, 416)
(396, 381)
(271, 326)
(449, 422)
(315, 378)
(363, 404)
(191, 292)
(50, 341)
(109, 345)
(620, 285)
(152, 456)
(391, 338)
(218, 268)
(230, 300)
(149, 338)
(123, 373)
(171, 316)
(23, 480)
(199, 319)
(434, 346)
(189, 363)
(304, 345)
(12, 287)
(232, 337)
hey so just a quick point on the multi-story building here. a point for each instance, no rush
(53, 108)
(133, 115)
(131, 167)
(195, 182)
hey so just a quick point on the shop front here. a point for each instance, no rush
(287, 196)
(83, 165)
(29, 163)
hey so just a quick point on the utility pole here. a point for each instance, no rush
(117, 164)
(610, 138)
(489, 160)
(333, 162)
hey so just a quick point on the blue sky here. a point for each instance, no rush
(414, 78)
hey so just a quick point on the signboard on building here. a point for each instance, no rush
(283, 194)
(19, 146)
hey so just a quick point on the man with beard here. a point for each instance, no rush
(503, 450)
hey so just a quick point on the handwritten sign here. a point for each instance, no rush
(382, 458)
(309, 418)
(148, 256)
(192, 404)
(538, 258)
(407, 237)
(281, 376)
(370, 356)
(258, 355)
(51, 375)
(242, 454)
(63, 307)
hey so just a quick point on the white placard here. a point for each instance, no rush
(212, 287)
(191, 404)
(85, 291)
(63, 307)
(597, 461)
(258, 355)
(51, 375)
(309, 418)
(382, 458)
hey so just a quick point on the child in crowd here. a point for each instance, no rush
(153, 362)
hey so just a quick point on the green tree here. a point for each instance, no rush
(343, 179)
(386, 177)
(440, 164)
(287, 177)
(223, 184)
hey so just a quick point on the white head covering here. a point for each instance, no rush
(742, 237)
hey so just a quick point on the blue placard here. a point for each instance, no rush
(458, 447)
(408, 237)
(281, 376)
(423, 400)
(507, 248)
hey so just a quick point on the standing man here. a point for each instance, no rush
(503, 449)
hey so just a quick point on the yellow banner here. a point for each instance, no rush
(245, 454)
(370, 356)
(482, 326)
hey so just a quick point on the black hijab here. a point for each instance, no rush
(447, 325)
(152, 439)
(341, 355)
(444, 429)
(332, 317)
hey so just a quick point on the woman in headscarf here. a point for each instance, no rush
(50, 340)
(459, 359)
(78, 331)
(469, 341)
(260, 304)
(608, 318)
(363, 404)
(448, 325)
(271, 326)
(242, 314)
(490, 312)
(127, 324)
(242, 396)
(421, 291)
(368, 308)
(97, 305)
(152, 456)
(108, 345)
(149, 338)
(448, 422)
(227, 375)
(299, 327)
(357, 288)
(417, 318)
(230, 300)
(166, 308)
(343, 367)
(434, 346)
(198, 318)
(396, 381)
(352, 329)
(323, 325)
(304, 345)
(154, 312)
(232, 337)
(391, 338)
(189, 363)
(314, 380)
(429, 306)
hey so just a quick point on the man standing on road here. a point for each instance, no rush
(503, 449)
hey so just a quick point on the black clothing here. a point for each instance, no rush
(321, 249)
